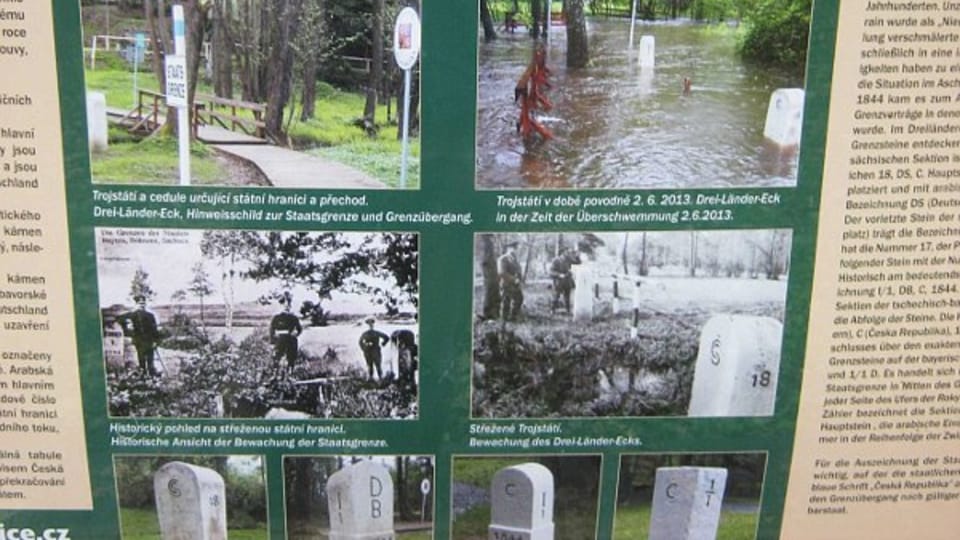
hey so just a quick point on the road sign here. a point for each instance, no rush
(176, 75)
(425, 486)
(406, 38)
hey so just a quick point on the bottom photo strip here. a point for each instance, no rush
(659, 496)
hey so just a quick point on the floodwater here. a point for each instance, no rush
(617, 126)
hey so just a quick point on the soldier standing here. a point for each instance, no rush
(284, 329)
(141, 325)
(370, 342)
(510, 274)
(562, 277)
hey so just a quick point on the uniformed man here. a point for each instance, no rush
(510, 273)
(141, 326)
(562, 276)
(284, 329)
(371, 341)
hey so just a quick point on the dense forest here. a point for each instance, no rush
(774, 31)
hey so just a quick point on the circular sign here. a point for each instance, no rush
(406, 38)
(425, 486)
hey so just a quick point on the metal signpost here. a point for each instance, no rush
(633, 21)
(139, 48)
(176, 90)
(406, 50)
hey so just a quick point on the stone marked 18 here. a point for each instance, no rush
(737, 367)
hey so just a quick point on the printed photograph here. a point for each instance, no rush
(614, 94)
(531, 496)
(689, 496)
(253, 324)
(359, 497)
(640, 323)
(161, 497)
(260, 93)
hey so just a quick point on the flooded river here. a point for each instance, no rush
(618, 126)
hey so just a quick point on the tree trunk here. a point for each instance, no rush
(536, 6)
(222, 49)
(280, 65)
(491, 287)
(376, 69)
(489, 29)
(196, 20)
(161, 41)
(310, 46)
(578, 51)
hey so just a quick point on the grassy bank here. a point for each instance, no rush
(333, 134)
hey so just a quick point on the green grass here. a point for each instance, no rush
(332, 134)
(117, 84)
(634, 522)
(138, 524)
(153, 161)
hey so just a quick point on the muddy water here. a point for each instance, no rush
(619, 126)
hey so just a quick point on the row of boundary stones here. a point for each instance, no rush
(522, 498)
(687, 502)
(191, 502)
(737, 367)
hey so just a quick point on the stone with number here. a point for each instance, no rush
(522, 503)
(737, 367)
(686, 503)
(191, 502)
(784, 121)
(360, 502)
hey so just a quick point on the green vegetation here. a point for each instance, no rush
(139, 524)
(634, 522)
(333, 134)
(154, 160)
(777, 32)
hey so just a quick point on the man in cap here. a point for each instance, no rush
(510, 273)
(562, 276)
(141, 326)
(370, 342)
(284, 329)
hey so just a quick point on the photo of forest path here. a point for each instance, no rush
(287, 94)
(694, 118)
(251, 324)
(618, 350)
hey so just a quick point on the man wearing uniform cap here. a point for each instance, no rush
(510, 273)
(142, 328)
(370, 342)
(284, 329)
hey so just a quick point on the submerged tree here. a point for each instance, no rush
(578, 50)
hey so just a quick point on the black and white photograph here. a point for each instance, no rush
(210, 496)
(255, 324)
(382, 496)
(625, 324)
(715, 495)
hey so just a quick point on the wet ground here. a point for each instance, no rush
(618, 126)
